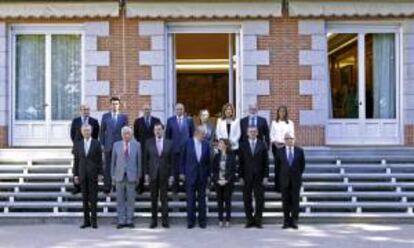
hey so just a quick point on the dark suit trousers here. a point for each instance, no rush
(159, 188)
(277, 180)
(176, 171)
(107, 171)
(290, 202)
(89, 188)
(255, 186)
(224, 194)
(196, 192)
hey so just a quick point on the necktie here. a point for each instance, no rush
(180, 123)
(148, 122)
(290, 158)
(86, 147)
(114, 118)
(126, 152)
(159, 148)
(251, 121)
(252, 145)
(84, 120)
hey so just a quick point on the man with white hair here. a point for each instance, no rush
(126, 173)
(195, 171)
(254, 120)
(290, 162)
(87, 171)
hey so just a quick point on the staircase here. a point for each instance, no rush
(368, 183)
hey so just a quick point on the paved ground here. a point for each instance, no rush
(315, 235)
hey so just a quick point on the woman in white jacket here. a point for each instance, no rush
(279, 127)
(228, 126)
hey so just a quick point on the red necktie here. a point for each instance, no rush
(126, 152)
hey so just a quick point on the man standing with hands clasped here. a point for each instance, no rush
(158, 173)
(254, 174)
(88, 170)
(290, 162)
(126, 173)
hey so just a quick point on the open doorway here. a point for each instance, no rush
(205, 71)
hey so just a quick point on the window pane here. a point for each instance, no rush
(66, 76)
(343, 71)
(30, 77)
(380, 76)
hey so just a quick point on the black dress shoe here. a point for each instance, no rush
(120, 226)
(294, 225)
(285, 226)
(259, 225)
(203, 226)
(165, 225)
(249, 225)
(153, 225)
(190, 226)
(130, 225)
(85, 226)
(95, 226)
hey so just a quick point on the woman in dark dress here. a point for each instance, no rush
(224, 169)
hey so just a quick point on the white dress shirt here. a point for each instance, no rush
(279, 129)
(87, 145)
(160, 144)
(197, 144)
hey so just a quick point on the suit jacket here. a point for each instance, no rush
(262, 127)
(121, 165)
(290, 173)
(234, 137)
(253, 164)
(191, 167)
(142, 131)
(230, 171)
(111, 132)
(177, 136)
(75, 129)
(88, 165)
(210, 132)
(154, 164)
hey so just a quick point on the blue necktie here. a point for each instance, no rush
(290, 158)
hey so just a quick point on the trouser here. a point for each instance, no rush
(159, 188)
(290, 202)
(196, 193)
(255, 186)
(176, 171)
(277, 180)
(89, 189)
(224, 195)
(125, 199)
(107, 172)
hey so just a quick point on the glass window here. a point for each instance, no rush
(343, 71)
(30, 77)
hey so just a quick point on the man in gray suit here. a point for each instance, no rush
(126, 173)
(158, 172)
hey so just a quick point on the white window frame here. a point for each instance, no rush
(48, 30)
(362, 28)
(202, 28)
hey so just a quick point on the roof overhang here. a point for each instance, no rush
(205, 9)
(324, 8)
(61, 9)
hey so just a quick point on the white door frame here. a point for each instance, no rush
(361, 28)
(47, 30)
(200, 28)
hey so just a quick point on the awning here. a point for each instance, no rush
(58, 9)
(205, 9)
(310, 8)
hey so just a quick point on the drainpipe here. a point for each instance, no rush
(122, 10)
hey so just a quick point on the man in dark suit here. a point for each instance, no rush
(254, 174)
(179, 129)
(254, 120)
(157, 169)
(87, 172)
(76, 135)
(291, 165)
(195, 171)
(144, 130)
(111, 125)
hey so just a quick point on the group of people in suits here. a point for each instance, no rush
(186, 155)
